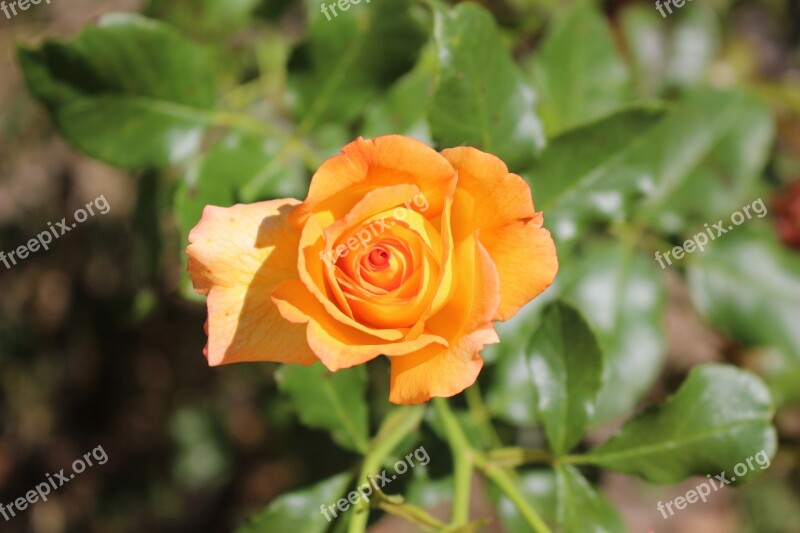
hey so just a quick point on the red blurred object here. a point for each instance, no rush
(786, 208)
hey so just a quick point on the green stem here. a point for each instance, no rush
(462, 462)
(506, 484)
(395, 427)
(481, 415)
(413, 515)
(519, 456)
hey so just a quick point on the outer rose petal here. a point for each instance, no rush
(439, 372)
(525, 255)
(509, 227)
(237, 257)
(363, 165)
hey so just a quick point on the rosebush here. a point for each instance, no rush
(416, 239)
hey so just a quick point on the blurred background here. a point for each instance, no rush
(101, 343)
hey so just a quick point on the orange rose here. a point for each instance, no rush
(398, 250)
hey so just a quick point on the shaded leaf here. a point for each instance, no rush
(333, 401)
(566, 367)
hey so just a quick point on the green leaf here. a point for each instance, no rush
(346, 60)
(686, 138)
(580, 176)
(745, 283)
(694, 42)
(585, 163)
(719, 417)
(213, 19)
(510, 396)
(782, 375)
(578, 71)
(130, 91)
(669, 54)
(201, 458)
(769, 505)
(402, 110)
(333, 401)
(580, 508)
(727, 177)
(299, 511)
(643, 31)
(566, 367)
(564, 499)
(621, 293)
(481, 97)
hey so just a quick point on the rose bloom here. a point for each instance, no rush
(398, 250)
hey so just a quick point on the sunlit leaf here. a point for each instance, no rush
(720, 417)
(481, 97)
(346, 58)
(621, 293)
(581, 508)
(299, 511)
(578, 71)
(747, 284)
(129, 91)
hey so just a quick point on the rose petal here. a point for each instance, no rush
(525, 255)
(502, 211)
(466, 318)
(439, 372)
(338, 346)
(384, 161)
(237, 256)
